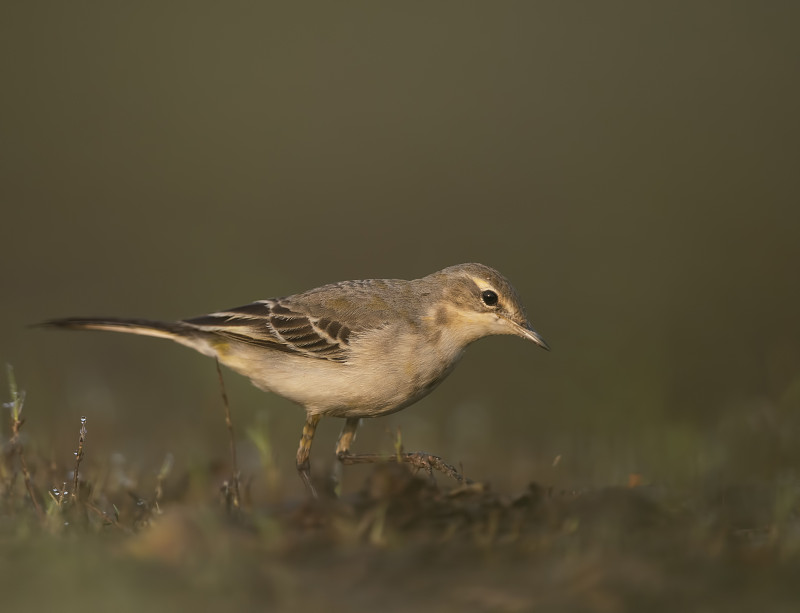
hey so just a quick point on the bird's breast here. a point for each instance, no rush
(394, 370)
(386, 371)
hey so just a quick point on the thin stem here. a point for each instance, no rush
(78, 458)
(229, 424)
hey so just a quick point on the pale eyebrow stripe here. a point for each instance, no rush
(483, 284)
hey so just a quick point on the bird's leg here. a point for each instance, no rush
(303, 451)
(347, 437)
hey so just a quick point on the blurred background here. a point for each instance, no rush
(632, 168)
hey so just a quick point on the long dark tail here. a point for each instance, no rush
(146, 327)
(178, 331)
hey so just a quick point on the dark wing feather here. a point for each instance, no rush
(274, 325)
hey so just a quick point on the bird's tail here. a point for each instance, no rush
(178, 331)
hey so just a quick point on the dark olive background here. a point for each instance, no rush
(631, 167)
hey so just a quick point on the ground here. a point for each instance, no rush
(403, 542)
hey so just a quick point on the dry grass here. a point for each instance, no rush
(80, 535)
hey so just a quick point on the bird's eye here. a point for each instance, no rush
(489, 297)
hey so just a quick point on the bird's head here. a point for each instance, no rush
(478, 301)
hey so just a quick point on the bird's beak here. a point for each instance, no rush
(526, 331)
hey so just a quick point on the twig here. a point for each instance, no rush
(111, 521)
(229, 423)
(417, 459)
(78, 458)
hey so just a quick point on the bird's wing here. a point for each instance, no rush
(279, 325)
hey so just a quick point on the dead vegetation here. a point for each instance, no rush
(103, 538)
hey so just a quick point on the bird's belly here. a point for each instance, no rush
(372, 394)
(366, 388)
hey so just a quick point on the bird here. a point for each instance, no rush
(352, 349)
